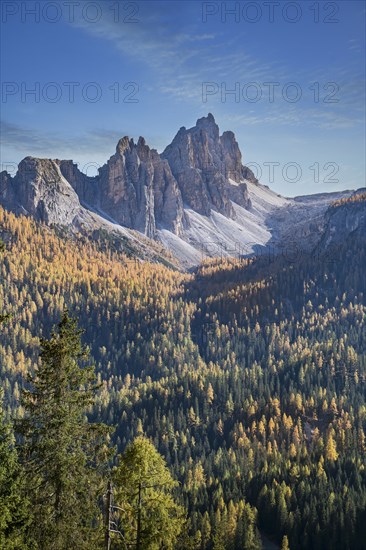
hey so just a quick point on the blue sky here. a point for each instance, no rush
(161, 55)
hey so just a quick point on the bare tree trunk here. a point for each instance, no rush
(138, 538)
(108, 517)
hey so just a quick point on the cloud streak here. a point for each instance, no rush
(98, 144)
(182, 61)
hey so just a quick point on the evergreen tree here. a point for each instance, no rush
(149, 517)
(62, 452)
(219, 538)
(175, 352)
(248, 537)
(14, 509)
(3, 316)
(206, 530)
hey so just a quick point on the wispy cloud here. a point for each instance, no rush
(294, 116)
(46, 144)
(182, 61)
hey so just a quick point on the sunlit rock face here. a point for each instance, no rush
(138, 188)
(205, 164)
(39, 189)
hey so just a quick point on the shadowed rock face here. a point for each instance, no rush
(125, 188)
(86, 187)
(345, 219)
(6, 189)
(202, 162)
(137, 187)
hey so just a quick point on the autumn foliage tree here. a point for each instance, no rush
(247, 376)
(149, 516)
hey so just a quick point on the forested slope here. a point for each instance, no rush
(248, 376)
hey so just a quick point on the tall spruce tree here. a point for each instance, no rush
(248, 537)
(14, 506)
(63, 453)
(3, 316)
(14, 510)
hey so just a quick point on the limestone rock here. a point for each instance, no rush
(40, 190)
(203, 163)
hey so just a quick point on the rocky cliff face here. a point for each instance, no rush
(344, 218)
(203, 163)
(137, 187)
(186, 199)
(86, 187)
(40, 190)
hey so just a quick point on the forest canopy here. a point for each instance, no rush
(248, 378)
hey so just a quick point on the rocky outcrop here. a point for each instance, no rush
(85, 186)
(248, 175)
(186, 198)
(168, 203)
(203, 163)
(40, 190)
(137, 188)
(345, 217)
(6, 189)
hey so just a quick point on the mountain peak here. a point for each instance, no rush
(123, 144)
(209, 119)
(208, 124)
(182, 196)
(204, 164)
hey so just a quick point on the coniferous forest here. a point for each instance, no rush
(183, 411)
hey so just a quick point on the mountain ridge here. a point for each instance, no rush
(197, 197)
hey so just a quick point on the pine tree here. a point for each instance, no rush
(149, 517)
(14, 509)
(248, 536)
(14, 512)
(331, 449)
(206, 530)
(3, 316)
(284, 545)
(219, 538)
(62, 451)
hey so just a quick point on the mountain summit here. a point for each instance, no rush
(138, 188)
(196, 198)
(208, 168)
